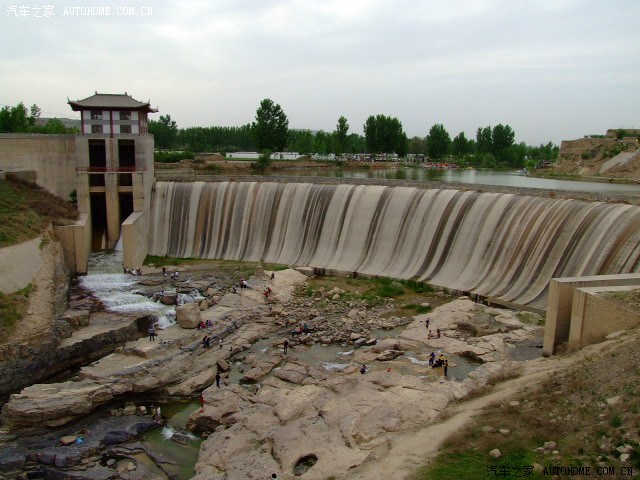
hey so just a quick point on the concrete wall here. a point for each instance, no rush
(82, 235)
(19, 265)
(476, 187)
(53, 157)
(560, 304)
(134, 239)
(76, 243)
(66, 236)
(594, 315)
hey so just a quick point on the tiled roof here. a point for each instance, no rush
(110, 101)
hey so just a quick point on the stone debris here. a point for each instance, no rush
(291, 409)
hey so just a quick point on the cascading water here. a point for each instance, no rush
(502, 246)
(117, 290)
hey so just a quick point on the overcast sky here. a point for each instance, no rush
(552, 69)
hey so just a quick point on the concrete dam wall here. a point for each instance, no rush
(501, 246)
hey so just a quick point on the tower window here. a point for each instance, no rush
(125, 115)
(96, 115)
(125, 128)
(96, 129)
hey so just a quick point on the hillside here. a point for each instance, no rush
(25, 210)
(607, 157)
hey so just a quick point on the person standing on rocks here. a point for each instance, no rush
(152, 332)
(446, 367)
(218, 379)
(427, 322)
(286, 346)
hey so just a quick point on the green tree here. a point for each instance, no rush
(264, 160)
(438, 141)
(18, 119)
(460, 145)
(34, 111)
(164, 130)
(340, 135)
(356, 143)
(270, 127)
(416, 146)
(385, 135)
(55, 125)
(300, 141)
(484, 140)
(502, 137)
(323, 143)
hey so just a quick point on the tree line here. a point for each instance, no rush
(493, 146)
(19, 119)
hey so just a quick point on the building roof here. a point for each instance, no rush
(110, 101)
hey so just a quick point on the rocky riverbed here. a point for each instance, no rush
(290, 414)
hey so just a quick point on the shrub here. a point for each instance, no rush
(172, 157)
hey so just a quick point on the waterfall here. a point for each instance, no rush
(500, 246)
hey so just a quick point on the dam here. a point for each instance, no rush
(499, 246)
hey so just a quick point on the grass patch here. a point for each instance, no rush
(530, 318)
(416, 287)
(474, 464)
(417, 309)
(407, 295)
(172, 157)
(12, 309)
(239, 268)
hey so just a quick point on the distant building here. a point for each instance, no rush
(112, 114)
(255, 155)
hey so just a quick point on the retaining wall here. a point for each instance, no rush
(52, 157)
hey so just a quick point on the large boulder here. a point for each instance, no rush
(169, 298)
(188, 316)
(389, 355)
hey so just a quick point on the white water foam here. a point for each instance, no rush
(346, 353)
(117, 291)
(335, 366)
(416, 361)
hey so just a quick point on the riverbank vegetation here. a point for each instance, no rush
(19, 119)
(492, 147)
(409, 297)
